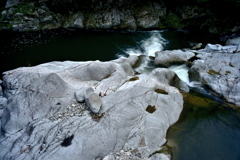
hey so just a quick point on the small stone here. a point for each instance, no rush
(74, 109)
(74, 105)
(128, 153)
(122, 151)
(109, 157)
(118, 154)
(79, 115)
(94, 102)
(82, 93)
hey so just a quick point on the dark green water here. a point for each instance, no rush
(206, 130)
(29, 49)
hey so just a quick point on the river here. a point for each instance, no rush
(207, 128)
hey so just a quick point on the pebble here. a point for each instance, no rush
(74, 109)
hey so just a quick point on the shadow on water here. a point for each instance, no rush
(206, 130)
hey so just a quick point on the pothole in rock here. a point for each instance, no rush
(67, 141)
(151, 109)
(73, 109)
(160, 91)
(133, 79)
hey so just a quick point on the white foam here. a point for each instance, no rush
(182, 72)
(153, 44)
(149, 45)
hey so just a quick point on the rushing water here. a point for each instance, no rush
(206, 130)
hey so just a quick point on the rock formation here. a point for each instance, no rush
(168, 58)
(218, 67)
(46, 116)
(23, 15)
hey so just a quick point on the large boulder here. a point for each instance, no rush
(43, 119)
(167, 58)
(218, 67)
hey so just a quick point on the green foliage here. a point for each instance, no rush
(173, 20)
(24, 8)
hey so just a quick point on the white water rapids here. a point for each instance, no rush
(147, 49)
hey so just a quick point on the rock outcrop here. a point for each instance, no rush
(46, 118)
(218, 67)
(31, 15)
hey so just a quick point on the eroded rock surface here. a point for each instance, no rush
(218, 67)
(43, 120)
(167, 58)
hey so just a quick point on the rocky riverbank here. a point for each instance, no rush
(106, 110)
(87, 110)
(21, 15)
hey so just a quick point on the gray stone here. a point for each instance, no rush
(82, 93)
(160, 157)
(93, 102)
(197, 46)
(3, 102)
(210, 48)
(233, 41)
(37, 94)
(169, 77)
(109, 157)
(220, 70)
(167, 58)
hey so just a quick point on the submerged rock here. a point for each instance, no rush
(43, 120)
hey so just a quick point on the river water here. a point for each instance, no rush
(207, 128)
